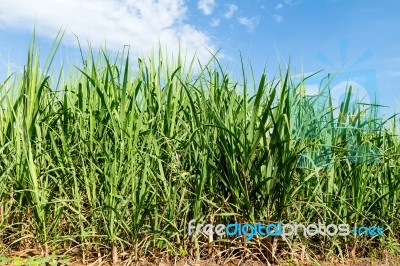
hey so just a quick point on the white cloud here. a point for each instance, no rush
(311, 89)
(231, 11)
(140, 24)
(250, 23)
(215, 22)
(293, 2)
(395, 74)
(279, 6)
(207, 6)
(278, 18)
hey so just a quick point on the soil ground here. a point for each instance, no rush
(38, 260)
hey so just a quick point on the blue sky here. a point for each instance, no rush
(359, 37)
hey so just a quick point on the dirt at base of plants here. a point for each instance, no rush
(26, 259)
(352, 262)
(348, 262)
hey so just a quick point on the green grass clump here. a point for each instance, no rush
(121, 155)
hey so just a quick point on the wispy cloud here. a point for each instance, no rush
(390, 60)
(312, 89)
(395, 74)
(215, 22)
(293, 2)
(141, 24)
(207, 6)
(231, 11)
(278, 18)
(8, 65)
(279, 6)
(250, 23)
